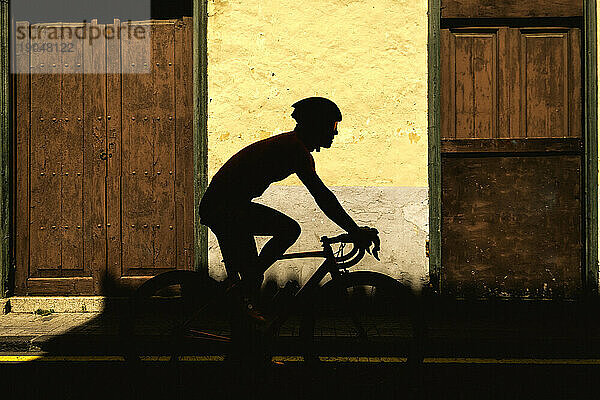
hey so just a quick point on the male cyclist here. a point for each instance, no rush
(227, 206)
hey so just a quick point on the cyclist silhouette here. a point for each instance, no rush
(228, 210)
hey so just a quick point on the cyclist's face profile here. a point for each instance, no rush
(328, 138)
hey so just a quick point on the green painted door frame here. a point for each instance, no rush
(200, 130)
(590, 170)
(5, 154)
(434, 161)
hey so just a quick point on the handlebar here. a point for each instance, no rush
(343, 238)
(356, 253)
(343, 261)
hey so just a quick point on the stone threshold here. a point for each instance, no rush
(70, 304)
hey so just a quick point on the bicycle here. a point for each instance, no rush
(353, 312)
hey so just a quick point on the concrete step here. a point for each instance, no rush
(74, 304)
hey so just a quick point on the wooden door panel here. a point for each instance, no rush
(472, 83)
(94, 166)
(157, 157)
(549, 93)
(511, 161)
(509, 83)
(532, 89)
(545, 69)
(105, 161)
(72, 145)
(137, 105)
(23, 128)
(575, 81)
(511, 8)
(162, 160)
(148, 190)
(475, 84)
(550, 80)
(115, 121)
(45, 160)
(60, 236)
(511, 225)
(184, 145)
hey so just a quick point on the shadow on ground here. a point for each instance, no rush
(493, 328)
(517, 349)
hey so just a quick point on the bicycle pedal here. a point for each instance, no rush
(257, 318)
(251, 312)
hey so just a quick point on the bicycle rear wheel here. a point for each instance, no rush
(164, 312)
(362, 314)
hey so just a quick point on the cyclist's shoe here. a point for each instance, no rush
(252, 312)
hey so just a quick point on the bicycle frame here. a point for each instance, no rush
(329, 265)
(335, 263)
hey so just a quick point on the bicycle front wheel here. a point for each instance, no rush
(362, 314)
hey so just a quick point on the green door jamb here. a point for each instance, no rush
(200, 130)
(590, 170)
(433, 136)
(5, 140)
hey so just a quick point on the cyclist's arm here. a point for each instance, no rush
(326, 200)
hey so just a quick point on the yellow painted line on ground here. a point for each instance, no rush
(293, 359)
(19, 358)
(22, 358)
(364, 359)
(202, 358)
(288, 358)
(530, 361)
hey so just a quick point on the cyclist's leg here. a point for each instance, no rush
(235, 231)
(266, 221)
(238, 250)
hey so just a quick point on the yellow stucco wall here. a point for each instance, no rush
(369, 56)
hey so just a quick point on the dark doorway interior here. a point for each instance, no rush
(39, 11)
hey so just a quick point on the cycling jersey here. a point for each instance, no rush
(250, 172)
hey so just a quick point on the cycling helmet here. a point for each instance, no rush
(314, 112)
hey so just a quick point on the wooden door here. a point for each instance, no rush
(60, 207)
(511, 161)
(150, 165)
(103, 160)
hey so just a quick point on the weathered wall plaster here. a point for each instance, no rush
(398, 213)
(370, 57)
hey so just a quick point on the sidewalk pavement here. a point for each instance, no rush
(488, 329)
